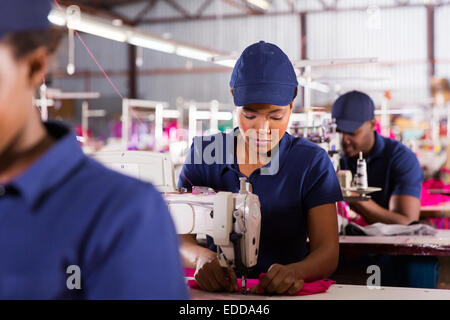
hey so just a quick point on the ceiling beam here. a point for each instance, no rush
(150, 5)
(239, 5)
(179, 8)
(203, 7)
(324, 4)
(96, 11)
(290, 4)
(116, 3)
(402, 2)
(327, 6)
(277, 13)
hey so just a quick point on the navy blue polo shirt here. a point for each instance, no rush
(69, 210)
(304, 178)
(390, 166)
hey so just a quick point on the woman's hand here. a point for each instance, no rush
(280, 279)
(210, 276)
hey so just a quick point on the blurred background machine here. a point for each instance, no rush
(323, 134)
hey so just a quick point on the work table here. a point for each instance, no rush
(337, 292)
(438, 245)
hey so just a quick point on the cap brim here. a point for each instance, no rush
(277, 94)
(348, 126)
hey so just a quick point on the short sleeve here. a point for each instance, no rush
(133, 252)
(192, 174)
(406, 175)
(321, 185)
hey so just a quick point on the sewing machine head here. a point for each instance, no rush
(232, 220)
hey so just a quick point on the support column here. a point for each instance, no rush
(303, 51)
(132, 72)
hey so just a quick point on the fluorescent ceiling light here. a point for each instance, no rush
(154, 44)
(56, 18)
(98, 29)
(193, 53)
(262, 4)
(227, 63)
(111, 30)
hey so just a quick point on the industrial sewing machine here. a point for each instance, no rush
(232, 220)
(324, 135)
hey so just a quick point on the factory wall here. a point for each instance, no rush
(394, 36)
(397, 37)
(442, 49)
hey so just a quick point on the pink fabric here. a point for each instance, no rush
(343, 208)
(309, 288)
(427, 199)
(378, 130)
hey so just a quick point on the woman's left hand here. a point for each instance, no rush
(280, 279)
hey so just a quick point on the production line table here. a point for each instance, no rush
(438, 245)
(435, 211)
(337, 292)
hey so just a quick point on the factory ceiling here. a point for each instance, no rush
(182, 11)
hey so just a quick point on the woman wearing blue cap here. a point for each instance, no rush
(70, 228)
(293, 178)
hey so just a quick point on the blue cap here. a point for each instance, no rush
(23, 15)
(351, 110)
(263, 74)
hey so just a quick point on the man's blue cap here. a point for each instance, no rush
(263, 74)
(23, 15)
(351, 110)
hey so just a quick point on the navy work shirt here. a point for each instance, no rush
(67, 211)
(304, 179)
(390, 166)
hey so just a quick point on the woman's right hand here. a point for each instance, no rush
(210, 276)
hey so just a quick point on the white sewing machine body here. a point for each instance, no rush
(233, 220)
(153, 167)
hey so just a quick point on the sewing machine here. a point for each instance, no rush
(232, 220)
(324, 135)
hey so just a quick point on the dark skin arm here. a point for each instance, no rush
(320, 263)
(403, 209)
(209, 275)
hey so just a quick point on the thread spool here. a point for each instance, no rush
(361, 173)
(345, 178)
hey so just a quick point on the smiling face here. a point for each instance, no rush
(263, 125)
(360, 140)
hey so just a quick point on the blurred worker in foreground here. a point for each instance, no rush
(394, 168)
(70, 228)
(293, 178)
(390, 165)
